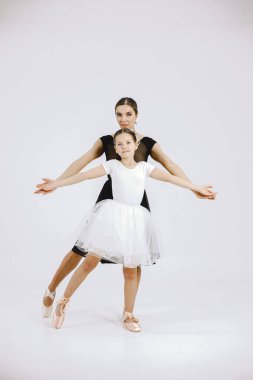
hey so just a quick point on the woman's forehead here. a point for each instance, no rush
(124, 108)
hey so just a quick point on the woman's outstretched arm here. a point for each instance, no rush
(160, 156)
(52, 184)
(162, 175)
(76, 166)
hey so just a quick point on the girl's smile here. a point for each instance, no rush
(125, 145)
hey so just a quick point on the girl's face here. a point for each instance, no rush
(126, 116)
(125, 145)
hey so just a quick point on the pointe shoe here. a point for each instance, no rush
(47, 310)
(129, 322)
(59, 313)
(134, 317)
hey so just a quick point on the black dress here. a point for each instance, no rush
(141, 154)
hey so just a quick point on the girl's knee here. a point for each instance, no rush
(129, 273)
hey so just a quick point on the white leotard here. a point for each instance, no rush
(128, 184)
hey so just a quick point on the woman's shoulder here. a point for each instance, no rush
(147, 140)
(106, 138)
(149, 143)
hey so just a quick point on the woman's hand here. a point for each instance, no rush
(48, 186)
(201, 196)
(205, 192)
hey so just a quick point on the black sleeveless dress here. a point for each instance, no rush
(141, 154)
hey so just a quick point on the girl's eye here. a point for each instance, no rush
(129, 114)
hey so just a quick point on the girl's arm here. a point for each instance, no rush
(160, 156)
(93, 153)
(51, 184)
(162, 175)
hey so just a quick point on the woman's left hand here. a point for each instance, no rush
(48, 184)
(202, 196)
(205, 192)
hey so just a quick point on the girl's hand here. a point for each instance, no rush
(48, 185)
(205, 192)
(43, 192)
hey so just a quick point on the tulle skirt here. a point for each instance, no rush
(121, 233)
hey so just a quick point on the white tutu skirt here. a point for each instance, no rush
(121, 233)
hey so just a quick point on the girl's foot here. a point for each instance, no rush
(134, 317)
(59, 313)
(47, 304)
(130, 322)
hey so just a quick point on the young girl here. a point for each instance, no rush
(119, 229)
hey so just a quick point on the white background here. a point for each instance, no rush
(188, 64)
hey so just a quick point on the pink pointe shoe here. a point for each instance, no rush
(130, 322)
(59, 313)
(47, 310)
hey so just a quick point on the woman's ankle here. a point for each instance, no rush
(51, 288)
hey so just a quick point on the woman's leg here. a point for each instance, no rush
(80, 274)
(69, 263)
(78, 277)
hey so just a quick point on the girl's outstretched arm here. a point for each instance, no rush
(162, 175)
(51, 184)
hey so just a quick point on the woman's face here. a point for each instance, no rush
(126, 116)
(125, 145)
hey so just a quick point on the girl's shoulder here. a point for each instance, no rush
(110, 165)
(113, 161)
(146, 167)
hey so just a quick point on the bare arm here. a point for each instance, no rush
(93, 153)
(162, 175)
(51, 184)
(160, 156)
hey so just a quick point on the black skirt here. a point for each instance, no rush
(106, 193)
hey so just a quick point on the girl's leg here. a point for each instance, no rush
(138, 276)
(132, 279)
(69, 263)
(130, 287)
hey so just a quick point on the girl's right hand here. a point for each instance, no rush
(43, 192)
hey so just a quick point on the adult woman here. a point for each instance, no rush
(126, 112)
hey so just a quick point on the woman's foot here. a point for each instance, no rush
(59, 313)
(130, 322)
(47, 304)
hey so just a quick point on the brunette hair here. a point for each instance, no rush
(128, 101)
(125, 130)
